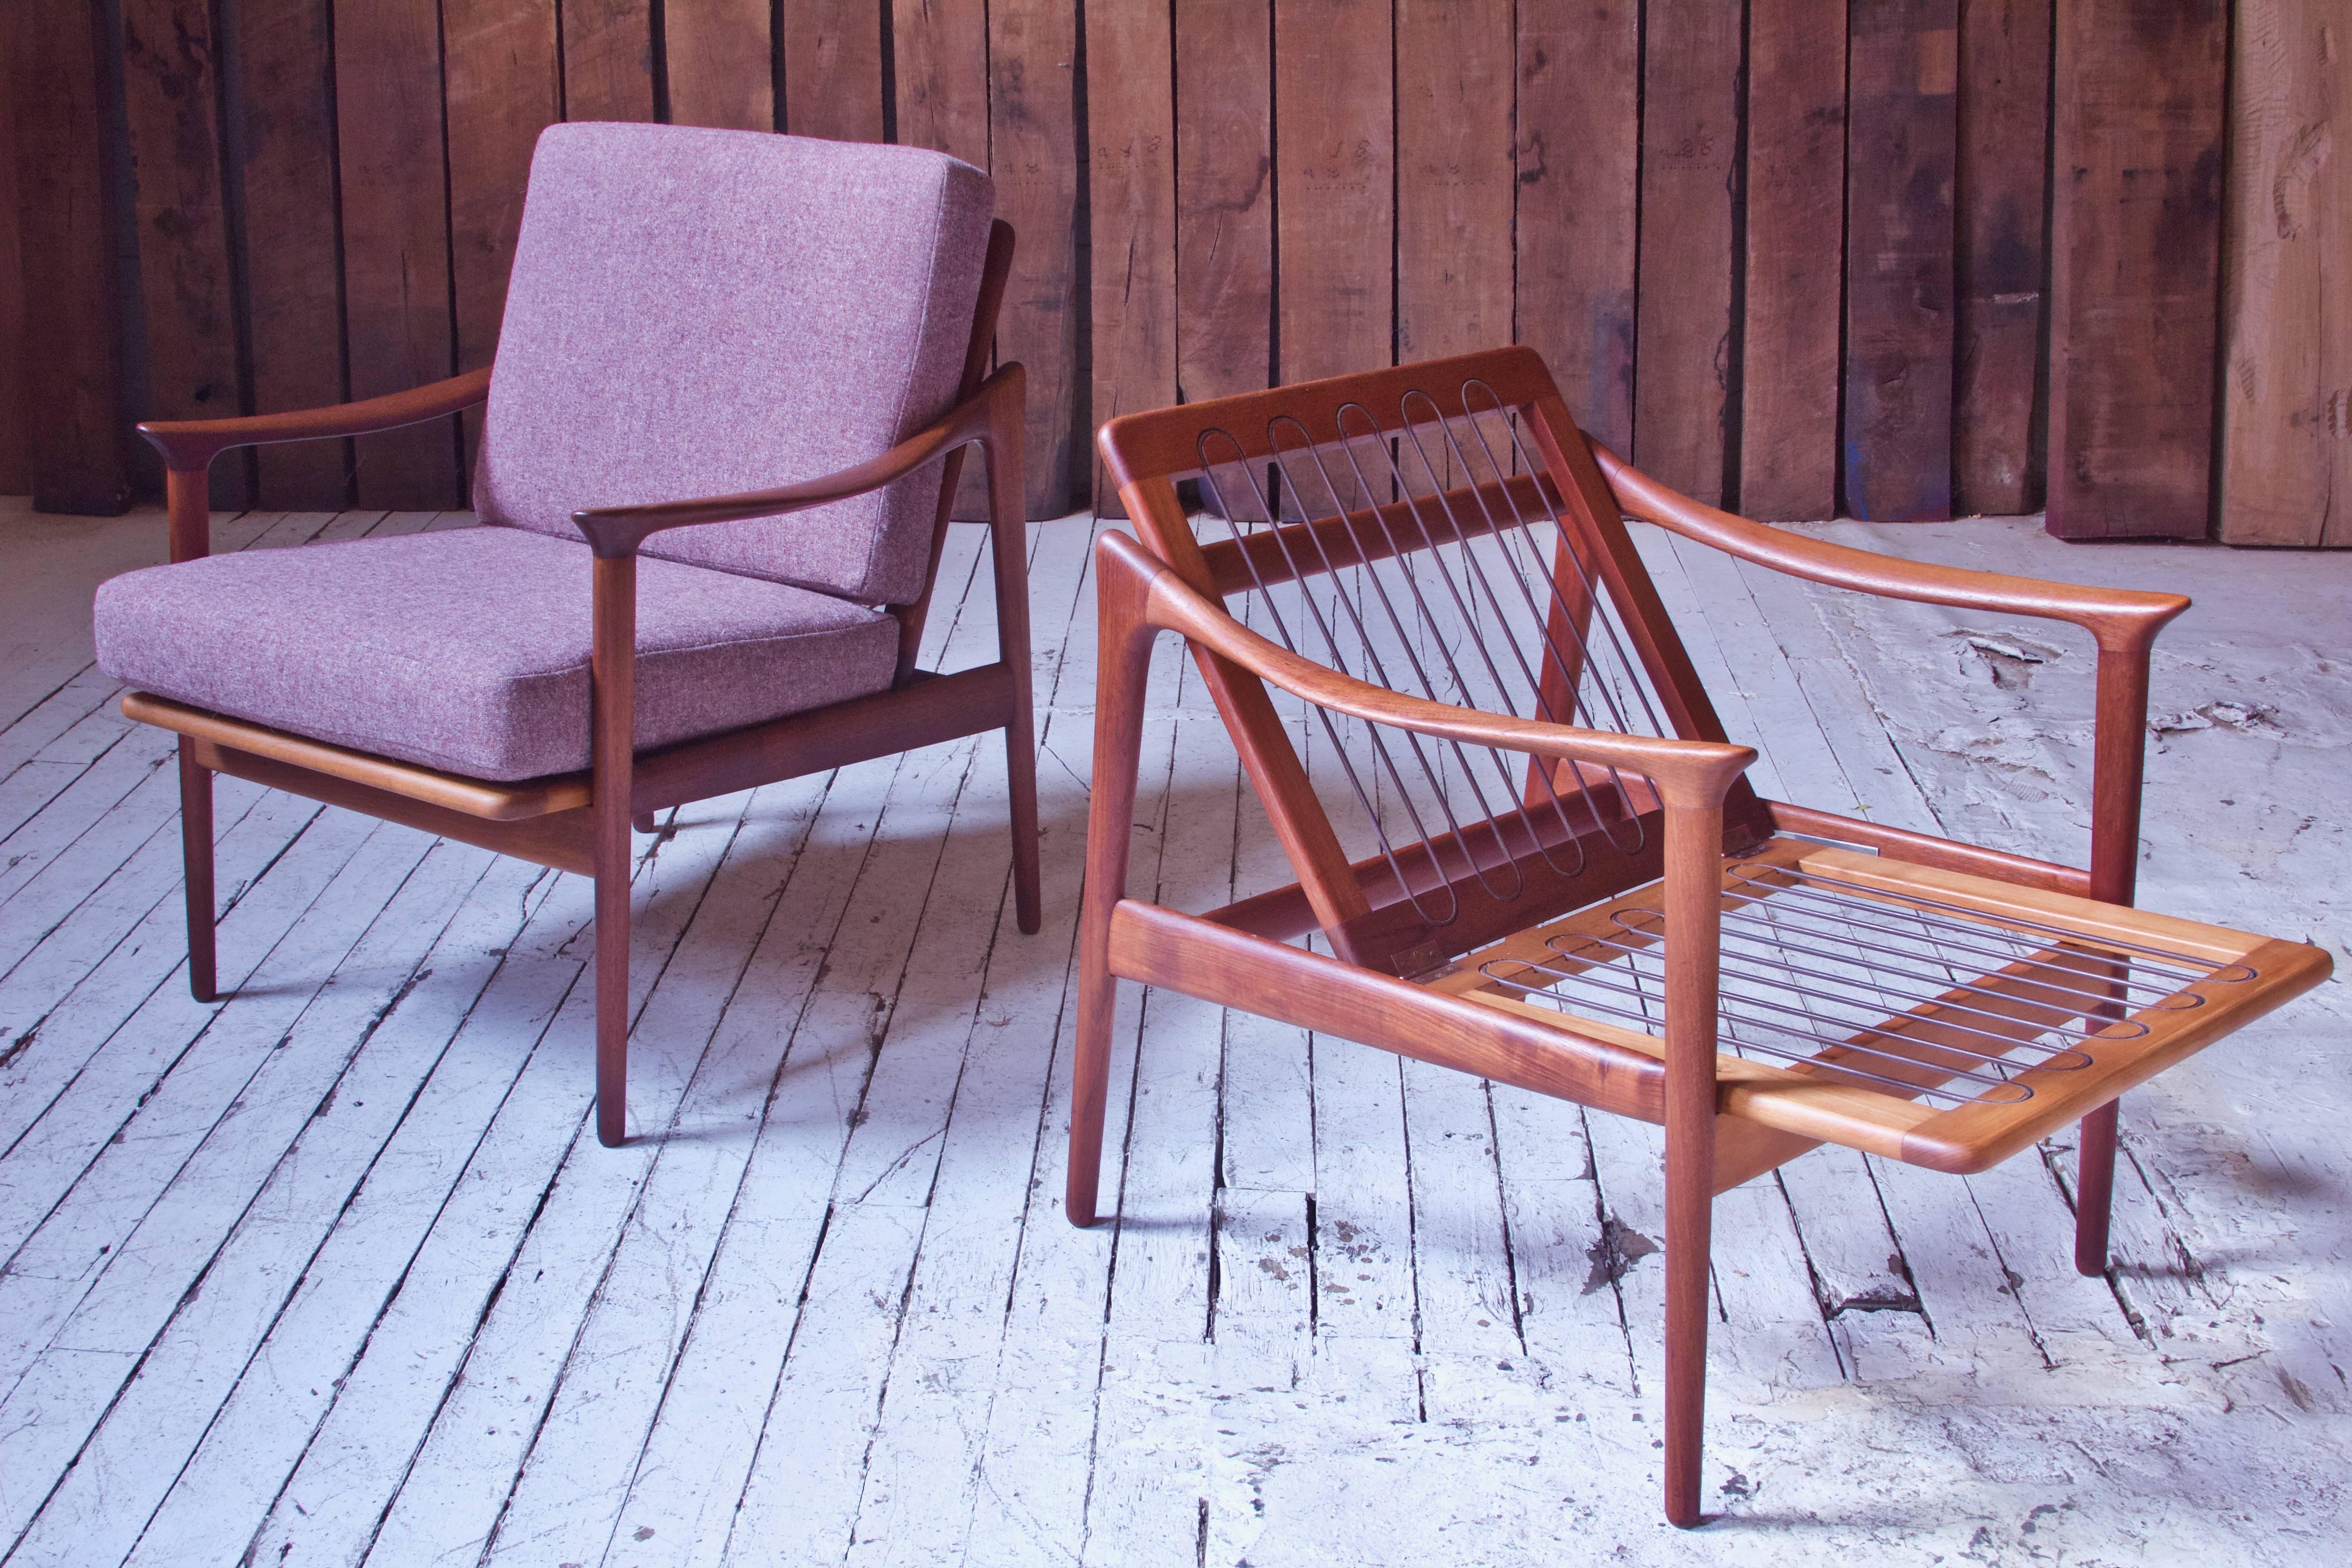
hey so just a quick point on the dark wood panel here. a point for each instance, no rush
(395, 239)
(76, 429)
(1903, 66)
(1793, 301)
(1579, 156)
(608, 59)
(281, 123)
(833, 69)
(940, 73)
(720, 57)
(171, 93)
(1132, 181)
(1225, 196)
(1417, 203)
(2286, 390)
(1334, 140)
(15, 471)
(1033, 49)
(2135, 257)
(1455, 67)
(1690, 130)
(1334, 168)
(505, 87)
(2004, 143)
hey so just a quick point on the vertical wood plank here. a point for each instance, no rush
(1580, 153)
(75, 431)
(505, 86)
(2135, 254)
(395, 239)
(171, 90)
(1131, 182)
(282, 133)
(939, 71)
(1224, 197)
(1690, 124)
(1334, 150)
(608, 59)
(2004, 124)
(1796, 249)
(15, 471)
(721, 59)
(1455, 69)
(833, 69)
(1033, 49)
(1901, 154)
(2286, 390)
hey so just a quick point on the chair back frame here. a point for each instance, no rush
(1593, 555)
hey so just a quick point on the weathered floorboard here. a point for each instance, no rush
(331, 1270)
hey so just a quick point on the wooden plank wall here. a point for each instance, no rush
(2286, 386)
(1794, 256)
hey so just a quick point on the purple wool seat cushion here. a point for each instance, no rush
(705, 312)
(467, 650)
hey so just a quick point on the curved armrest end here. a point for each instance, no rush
(191, 444)
(2122, 619)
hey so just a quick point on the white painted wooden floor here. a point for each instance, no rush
(335, 1272)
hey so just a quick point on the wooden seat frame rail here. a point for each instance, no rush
(1390, 984)
(582, 822)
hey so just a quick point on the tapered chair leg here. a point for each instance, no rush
(1123, 641)
(2095, 1187)
(644, 823)
(1688, 1224)
(612, 741)
(1021, 768)
(613, 1005)
(1089, 1084)
(196, 861)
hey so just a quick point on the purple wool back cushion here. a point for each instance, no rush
(701, 312)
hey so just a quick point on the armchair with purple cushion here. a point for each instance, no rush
(794, 333)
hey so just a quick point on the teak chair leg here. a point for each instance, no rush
(196, 860)
(611, 997)
(1689, 1224)
(2095, 1187)
(612, 678)
(644, 823)
(1008, 556)
(1090, 1082)
(1124, 642)
(1020, 765)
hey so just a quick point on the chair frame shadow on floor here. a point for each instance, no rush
(582, 822)
(1475, 986)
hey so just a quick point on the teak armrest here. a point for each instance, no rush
(2122, 619)
(1687, 772)
(191, 444)
(2125, 622)
(618, 530)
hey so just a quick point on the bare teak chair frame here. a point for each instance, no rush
(1574, 888)
(582, 822)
